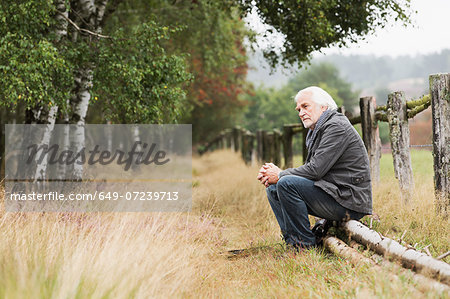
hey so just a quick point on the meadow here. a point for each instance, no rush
(160, 255)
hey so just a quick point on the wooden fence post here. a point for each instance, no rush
(287, 146)
(277, 139)
(440, 105)
(237, 138)
(270, 146)
(226, 138)
(371, 135)
(259, 145)
(221, 141)
(265, 147)
(399, 136)
(247, 146)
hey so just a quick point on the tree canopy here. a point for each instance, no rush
(160, 61)
(311, 25)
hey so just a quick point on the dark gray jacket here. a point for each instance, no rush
(338, 163)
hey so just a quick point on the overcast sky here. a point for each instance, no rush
(431, 33)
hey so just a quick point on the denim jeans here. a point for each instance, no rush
(293, 198)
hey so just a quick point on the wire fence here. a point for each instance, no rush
(412, 145)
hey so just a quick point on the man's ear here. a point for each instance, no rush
(323, 108)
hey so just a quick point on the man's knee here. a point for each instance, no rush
(271, 192)
(288, 181)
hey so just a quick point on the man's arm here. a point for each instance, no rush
(333, 143)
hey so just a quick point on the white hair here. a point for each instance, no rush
(319, 96)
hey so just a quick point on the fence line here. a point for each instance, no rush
(270, 145)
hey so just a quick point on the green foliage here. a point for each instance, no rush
(310, 25)
(136, 80)
(212, 35)
(34, 72)
(141, 75)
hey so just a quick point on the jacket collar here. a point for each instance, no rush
(322, 119)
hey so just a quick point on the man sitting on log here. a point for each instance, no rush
(334, 182)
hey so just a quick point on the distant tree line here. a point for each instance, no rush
(157, 61)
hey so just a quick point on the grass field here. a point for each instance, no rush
(141, 255)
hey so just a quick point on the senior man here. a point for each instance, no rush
(333, 183)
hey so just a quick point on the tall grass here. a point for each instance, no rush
(141, 255)
(417, 219)
(101, 255)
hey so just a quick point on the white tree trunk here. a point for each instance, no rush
(41, 168)
(109, 136)
(61, 19)
(89, 16)
(64, 146)
(136, 138)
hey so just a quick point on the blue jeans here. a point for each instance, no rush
(293, 198)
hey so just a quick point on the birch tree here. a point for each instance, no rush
(49, 59)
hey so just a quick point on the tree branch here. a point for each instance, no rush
(83, 30)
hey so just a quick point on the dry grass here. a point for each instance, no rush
(416, 220)
(106, 255)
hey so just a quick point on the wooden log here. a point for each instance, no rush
(425, 284)
(355, 120)
(425, 100)
(381, 116)
(287, 146)
(339, 248)
(259, 145)
(409, 258)
(399, 136)
(277, 140)
(440, 102)
(418, 106)
(371, 135)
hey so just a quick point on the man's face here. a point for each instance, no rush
(308, 111)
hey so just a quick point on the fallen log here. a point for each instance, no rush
(409, 258)
(423, 283)
(339, 248)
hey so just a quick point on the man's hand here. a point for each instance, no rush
(268, 174)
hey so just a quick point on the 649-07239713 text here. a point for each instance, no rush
(103, 196)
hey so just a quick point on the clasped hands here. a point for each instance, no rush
(268, 174)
